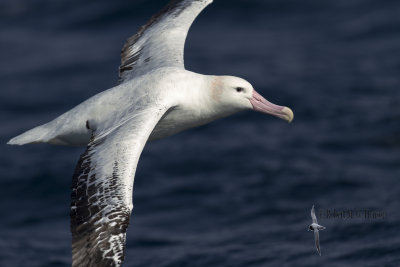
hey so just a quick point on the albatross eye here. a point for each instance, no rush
(239, 89)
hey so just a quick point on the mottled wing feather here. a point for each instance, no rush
(101, 198)
(313, 216)
(160, 42)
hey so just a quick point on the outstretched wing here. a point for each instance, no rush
(160, 42)
(313, 216)
(316, 236)
(101, 198)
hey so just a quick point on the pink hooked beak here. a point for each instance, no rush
(261, 104)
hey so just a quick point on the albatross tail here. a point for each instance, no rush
(56, 132)
(35, 135)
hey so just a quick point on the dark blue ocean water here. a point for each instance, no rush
(237, 192)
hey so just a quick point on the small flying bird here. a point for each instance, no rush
(316, 228)
(156, 97)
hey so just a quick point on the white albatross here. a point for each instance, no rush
(315, 227)
(156, 97)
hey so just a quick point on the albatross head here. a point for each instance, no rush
(239, 94)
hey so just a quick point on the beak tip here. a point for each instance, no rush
(289, 114)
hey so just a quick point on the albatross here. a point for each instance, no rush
(156, 97)
(315, 227)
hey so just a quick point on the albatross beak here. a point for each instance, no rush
(261, 104)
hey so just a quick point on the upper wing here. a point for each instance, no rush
(314, 218)
(101, 198)
(160, 42)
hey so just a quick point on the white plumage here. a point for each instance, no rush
(156, 98)
(315, 227)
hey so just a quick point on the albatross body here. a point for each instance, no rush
(156, 97)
